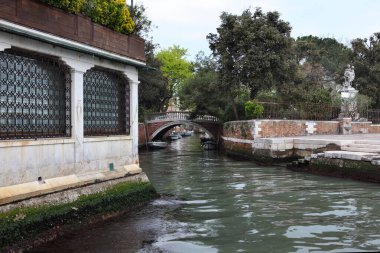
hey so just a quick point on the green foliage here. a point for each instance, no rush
(253, 109)
(366, 59)
(72, 6)
(24, 223)
(153, 88)
(175, 68)
(253, 50)
(200, 93)
(327, 52)
(143, 25)
(113, 14)
(363, 102)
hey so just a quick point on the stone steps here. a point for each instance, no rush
(370, 142)
(353, 148)
(371, 146)
(375, 146)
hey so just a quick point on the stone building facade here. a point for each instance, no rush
(69, 109)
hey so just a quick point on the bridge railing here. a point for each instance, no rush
(179, 115)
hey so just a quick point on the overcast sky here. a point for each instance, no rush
(187, 22)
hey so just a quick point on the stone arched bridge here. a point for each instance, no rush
(157, 124)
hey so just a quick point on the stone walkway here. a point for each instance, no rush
(370, 137)
(368, 143)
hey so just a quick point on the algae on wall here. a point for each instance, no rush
(22, 224)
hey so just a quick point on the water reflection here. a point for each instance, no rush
(224, 205)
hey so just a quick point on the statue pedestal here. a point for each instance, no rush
(349, 108)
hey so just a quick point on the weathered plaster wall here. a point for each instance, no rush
(25, 161)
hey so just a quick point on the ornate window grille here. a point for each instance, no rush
(34, 96)
(106, 103)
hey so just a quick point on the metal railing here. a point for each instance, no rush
(373, 115)
(299, 111)
(179, 115)
(312, 111)
(35, 96)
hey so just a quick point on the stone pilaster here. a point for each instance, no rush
(134, 118)
(77, 116)
(4, 46)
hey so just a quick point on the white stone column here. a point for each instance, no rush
(77, 122)
(77, 113)
(134, 118)
(4, 46)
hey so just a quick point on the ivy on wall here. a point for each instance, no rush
(113, 14)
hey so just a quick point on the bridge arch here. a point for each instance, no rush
(159, 132)
(157, 124)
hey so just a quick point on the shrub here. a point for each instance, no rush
(72, 6)
(253, 109)
(113, 14)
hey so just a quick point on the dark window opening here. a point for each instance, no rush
(34, 96)
(106, 103)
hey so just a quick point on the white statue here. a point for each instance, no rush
(349, 76)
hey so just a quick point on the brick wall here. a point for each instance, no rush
(239, 129)
(374, 129)
(142, 135)
(251, 129)
(33, 14)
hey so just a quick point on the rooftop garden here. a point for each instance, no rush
(113, 14)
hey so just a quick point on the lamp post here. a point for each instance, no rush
(132, 9)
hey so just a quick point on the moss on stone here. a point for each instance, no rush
(25, 223)
(360, 170)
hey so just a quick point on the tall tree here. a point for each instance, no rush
(200, 93)
(175, 68)
(143, 25)
(253, 50)
(153, 83)
(321, 59)
(366, 59)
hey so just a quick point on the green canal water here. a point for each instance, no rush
(212, 203)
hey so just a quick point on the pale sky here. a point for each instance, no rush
(187, 22)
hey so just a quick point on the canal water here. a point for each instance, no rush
(212, 203)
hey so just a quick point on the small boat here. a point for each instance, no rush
(157, 144)
(204, 138)
(174, 136)
(209, 145)
(186, 133)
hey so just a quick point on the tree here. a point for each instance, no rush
(175, 68)
(153, 83)
(200, 93)
(366, 60)
(321, 60)
(143, 25)
(253, 50)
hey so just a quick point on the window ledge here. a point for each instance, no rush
(107, 138)
(33, 142)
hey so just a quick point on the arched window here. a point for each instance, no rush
(34, 96)
(106, 103)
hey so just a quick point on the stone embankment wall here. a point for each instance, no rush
(344, 164)
(260, 139)
(32, 222)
